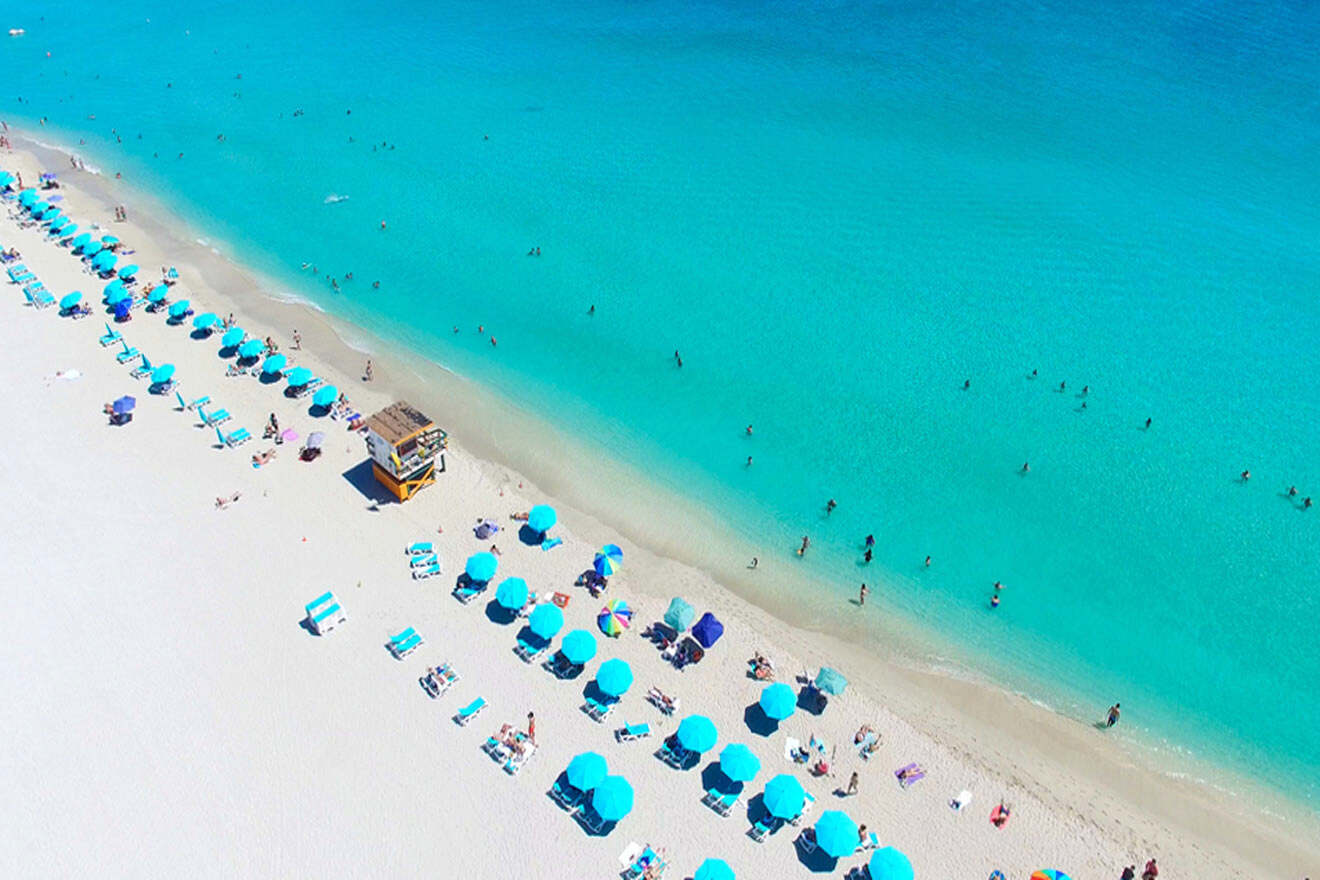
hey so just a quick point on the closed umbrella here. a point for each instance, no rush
(511, 593)
(180, 308)
(273, 364)
(297, 377)
(707, 630)
(124, 404)
(546, 620)
(697, 733)
(778, 701)
(69, 300)
(784, 797)
(162, 374)
(128, 271)
(614, 617)
(714, 869)
(679, 614)
(578, 647)
(614, 677)
(481, 567)
(586, 771)
(612, 799)
(324, 397)
(233, 336)
(836, 834)
(830, 681)
(157, 294)
(205, 321)
(542, 518)
(739, 763)
(889, 864)
(250, 349)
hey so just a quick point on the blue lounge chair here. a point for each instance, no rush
(237, 438)
(808, 802)
(591, 820)
(40, 295)
(143, 368)
(470, 711)
(528, 649)
(404, 643)
(465, 593)
(566, 795)
(16, 270)
(215, 417)
(763, 826)
(199, 402)
(599, 710)
(673, 754)
(439, 680)
(422, 573)
(128, 355)
(324, 613)
(560, 666)
(420, 548)
(649, 860)
(23, 277)
(630, 732)
(423, 560)
(726, 802)
(111, 336)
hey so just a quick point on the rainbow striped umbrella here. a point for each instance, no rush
(605, 565)
(1049, 874)
(614, 618)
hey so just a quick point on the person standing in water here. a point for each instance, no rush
(867, 554)
(677, 358)
(806, 542)
(829, 506)
(861, 594)
(1026, 467)
(1112, 717)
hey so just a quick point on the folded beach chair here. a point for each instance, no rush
(183, 405)
(324, 613)
(566, 795)
(529, 649)
(630, 732)
(404, 643)
(420, 548)
(470, 711)
(421, 561)
(762, 827)
(421, 573)
(111, 336)
(237, 438)
(909, 775)
(215, 417)
(143, 368)
(128, 355)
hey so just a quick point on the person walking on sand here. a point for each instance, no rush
(1129, 873)
(1112, 717)
(852, 784)
(861, 594)
(1151, 872)
(531, 727)
(367, 376)
(297, 340)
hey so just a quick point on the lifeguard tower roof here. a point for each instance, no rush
(398, 421)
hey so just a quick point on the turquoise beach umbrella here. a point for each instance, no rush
(273, 364)
(679, 614)
(116, 296)
(67, 230)
(542, 518)
(836, 834)
(179, 309)
(205, 320)
(784, 797)
(69, 300)
(91, 247)
(163, 373)
(1049, 874)
(128, 271)
(233, 336)
(28, 197)
(50, 214)
(37, 207)
(546, 620)
(158, 293)
(511, 593)
(81, 240)
(112, 287)
(481, 566)
(614, 677)
(714, 869)
(739, 763)
(109, 240)
(324, 397)
(297, 377)
(612, 799)
(6, 178)
(586, 771)
(105, 261)
(697, 733)
(578, 647)
(778, 701)
(830, 681)
(890, 864)
(250, 349)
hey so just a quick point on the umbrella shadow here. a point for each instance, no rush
(306, 625)
(270, 378)
(592, 691)
(713, 777)
(811, 700)
(317, 411)
(817, 861)
(360, 477)
(226, 352)
(497, 613)
(530, 536)
(200, 334)
(758, 722)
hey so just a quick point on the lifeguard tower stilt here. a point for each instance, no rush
(404, 445)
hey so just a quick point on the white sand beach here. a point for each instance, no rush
(167, 712)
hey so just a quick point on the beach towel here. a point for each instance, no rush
(963, 799)
(551, 543)
(560, 599)
(909, 775)
(791, 747)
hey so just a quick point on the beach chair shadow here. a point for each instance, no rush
(758, 722)
(306, 625)
(529, 536)
(360, 477)
(497, 613)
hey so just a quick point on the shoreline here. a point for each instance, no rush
(964, 715)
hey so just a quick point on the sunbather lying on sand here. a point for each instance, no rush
(909, 772)
(222, 503)
(263, 457)
(762, 668)
(520, 517)
(664, 702)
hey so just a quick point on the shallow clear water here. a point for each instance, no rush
(838, 213)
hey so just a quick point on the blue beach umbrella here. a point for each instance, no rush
(28, 197)
(739, 763)
(273, 364)
(586, 771)
(81, 240)
(124, 404)
(324, 397)
(481, 566)
(297, 377)
(69, 300)
(614, 677)
(205, 320)
(679, 614)
(180, 308)
(128, 271)
(234, 336)
(830, 681)
(697, 733)
(707, 630)
(250, 349)
(117, 296)
(714, 869)
(836, 834)
(784, 797)
(612, 798)
(542, 518)
(579, 646)
(162, 374)
(778, 701)
(890, 864)
(91, 248)
(6, 178)
(604, 565)
(158, 293)
(546, 620)
(512, 593)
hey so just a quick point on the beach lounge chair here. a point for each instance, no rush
(23, 277)
(529, 649)
(591, 820)
(672, 753)
(516, 761)
(806, 841)
(16, 270)
(466, 592)
(324, 613)
(726, 802)
(763, 827)
(143, 368)
(560, 666)
(420, 548)
(649, 860)
(404, 643)
(630, 732)
(111, 336)
(236, 438)
(599, 710)
(183, 405)
(870, 841)
(128, 355)
(566, 795)
(438, 680)
(215, 417)
(909, 775)
(304, 390)
(421, 573)
(808, 803)
(470, 711)
(666, 704)
(421, 561)
(40, 295)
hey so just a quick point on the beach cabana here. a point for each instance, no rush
(714, 869)
(481, 568)
(707, 630)
(697, 733)
(546, 620)
(739, 763)
(586, 771)
(578, 647)
(614, 618)
(404, 445)
(784, 797)
(511, 594)
(542, 518)
(889, 864)
(778, 701)
(614, 677)
(612, 798)
(836, 834)
(679, 614)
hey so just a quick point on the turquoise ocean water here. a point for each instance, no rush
(838, 213)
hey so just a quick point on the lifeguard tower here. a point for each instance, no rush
(404, 444)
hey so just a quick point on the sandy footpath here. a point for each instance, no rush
(165, 711)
